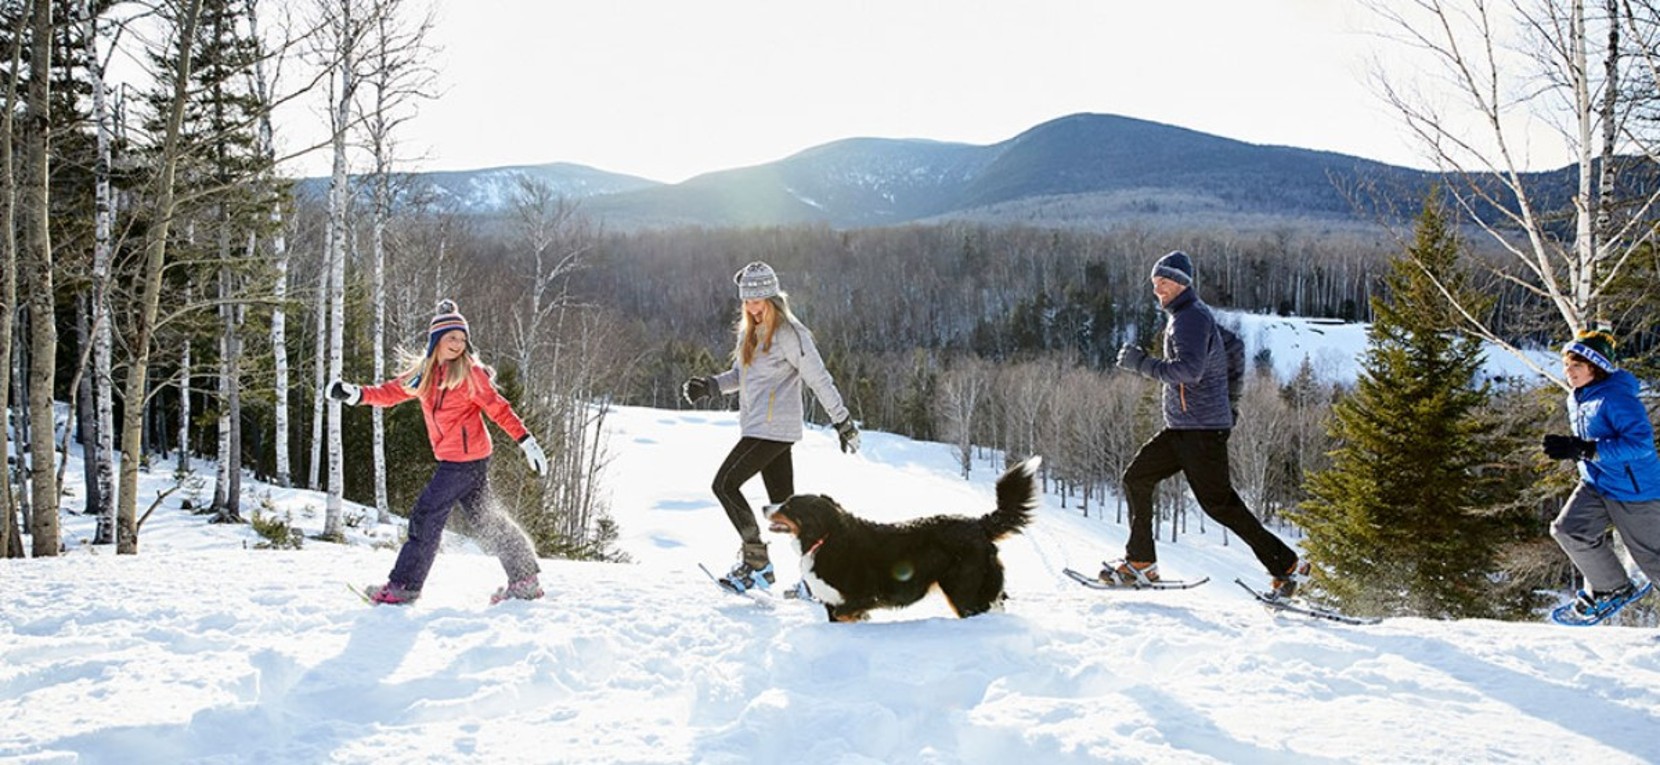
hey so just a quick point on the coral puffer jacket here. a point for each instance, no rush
(455, 417)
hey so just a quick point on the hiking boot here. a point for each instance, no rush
(524, 589)
(1130, 573)
(1285, 585)
(744, 577)
(391, 594)
(1594, 603)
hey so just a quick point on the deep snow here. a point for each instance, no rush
(201, 649)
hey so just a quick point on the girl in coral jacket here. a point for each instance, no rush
(456, 391)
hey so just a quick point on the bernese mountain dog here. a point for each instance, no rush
(852, 565)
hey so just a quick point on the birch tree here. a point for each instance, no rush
(102, 453)
(397, 80)
(264, 87)
(345, 28)
(1515, 66)
(962, 393)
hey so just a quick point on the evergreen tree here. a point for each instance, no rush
(1406, 519)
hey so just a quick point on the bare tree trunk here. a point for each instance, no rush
(149, 300)
(182, 464)
(101, 453)
(1608, 116)
(86, 417)
(319, 369)
(21, 424)
(400, 75)
(279, 256)
(333, 526)
(43, 331)
(11, 538)
(228, 484)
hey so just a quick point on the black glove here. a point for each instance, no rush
(1130, 357)
(1569, 448)
(849, 435)
(346, 392)
(699, 388)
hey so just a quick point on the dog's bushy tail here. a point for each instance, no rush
(1017, 496)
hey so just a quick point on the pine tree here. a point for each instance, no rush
(1404, 521)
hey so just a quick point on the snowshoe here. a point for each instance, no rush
(524, 589)
(1590, 608)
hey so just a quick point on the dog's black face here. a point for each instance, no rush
(807, 517)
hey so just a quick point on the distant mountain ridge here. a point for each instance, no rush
(1090, 167)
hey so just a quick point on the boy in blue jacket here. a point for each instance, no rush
(1619, 474)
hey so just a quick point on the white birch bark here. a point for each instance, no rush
(183, 461)
(279, 258)
(102, 338)
(319, 368)
(333, 525)
(1550, 63)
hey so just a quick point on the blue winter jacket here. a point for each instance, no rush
(1194, 369)
(1608, 412)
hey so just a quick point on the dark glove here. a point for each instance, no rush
(699, 388)
(1130, 357)
(1569, 448)
(343, 391)
(849, 435)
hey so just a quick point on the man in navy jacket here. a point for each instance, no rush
(1198, 416)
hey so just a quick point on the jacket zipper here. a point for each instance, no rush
(438, 403)
(1633, 476)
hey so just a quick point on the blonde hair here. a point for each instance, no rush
(752, 335)
(422, 375)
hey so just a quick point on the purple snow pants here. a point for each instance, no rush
(464, 483)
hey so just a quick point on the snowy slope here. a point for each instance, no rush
(200, 650)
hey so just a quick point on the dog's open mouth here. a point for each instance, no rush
(778, 523)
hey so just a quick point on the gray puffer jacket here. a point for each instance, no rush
(1194, 369)
(769, 389)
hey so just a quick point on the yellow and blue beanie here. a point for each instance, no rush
(1596, 347)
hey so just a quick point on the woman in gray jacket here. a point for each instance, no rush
(773, 356)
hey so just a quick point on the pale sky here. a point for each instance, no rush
(668, 89)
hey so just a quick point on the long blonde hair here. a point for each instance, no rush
(424, 374)
(752, 335)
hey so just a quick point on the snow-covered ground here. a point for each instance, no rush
(202, 649)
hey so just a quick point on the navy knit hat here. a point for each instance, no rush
(1594, 346)
(1176, 267)
(447, 320)
(756, 281)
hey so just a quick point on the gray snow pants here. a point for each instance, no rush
(1582, 530)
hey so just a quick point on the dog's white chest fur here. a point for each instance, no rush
(820, 588)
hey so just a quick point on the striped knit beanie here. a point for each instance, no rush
(1176, 267)
(448, 318)
(1594, 346)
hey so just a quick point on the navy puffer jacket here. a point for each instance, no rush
(1194, 369)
